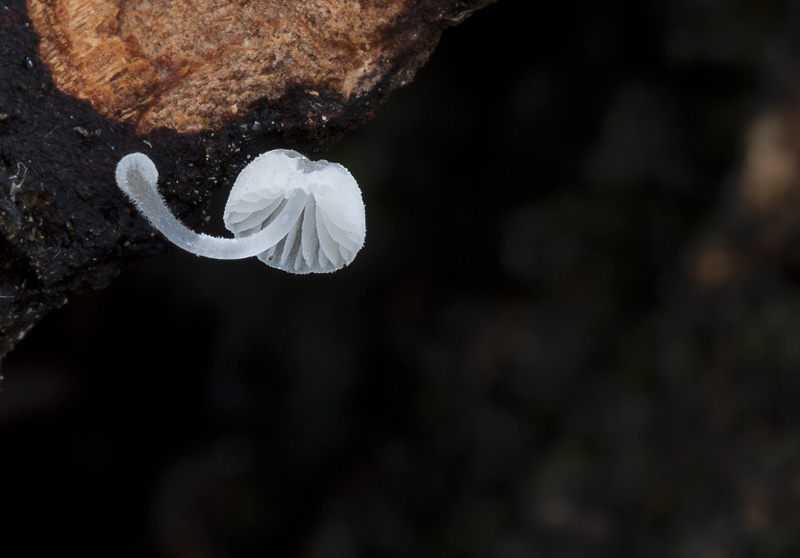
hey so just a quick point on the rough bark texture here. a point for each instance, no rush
(108, 83)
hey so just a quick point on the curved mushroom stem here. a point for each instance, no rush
(138, 178)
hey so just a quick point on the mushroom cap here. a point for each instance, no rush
(331, 227)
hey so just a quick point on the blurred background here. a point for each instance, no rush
(574, 330)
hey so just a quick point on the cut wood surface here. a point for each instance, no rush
(192, 66)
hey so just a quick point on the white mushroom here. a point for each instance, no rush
(294, 214)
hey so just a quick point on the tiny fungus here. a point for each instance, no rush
(294, 214)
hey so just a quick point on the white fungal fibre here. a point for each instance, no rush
(136, 176)
(295, 214)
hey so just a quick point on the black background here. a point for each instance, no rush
(516, 364)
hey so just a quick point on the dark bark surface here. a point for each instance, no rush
(65, 226)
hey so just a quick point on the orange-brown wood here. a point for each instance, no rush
(192, 65)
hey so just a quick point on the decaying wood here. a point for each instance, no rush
(213, 59)
(83, 82)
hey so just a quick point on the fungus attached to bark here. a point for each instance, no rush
(185, 76)
(295, 214)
